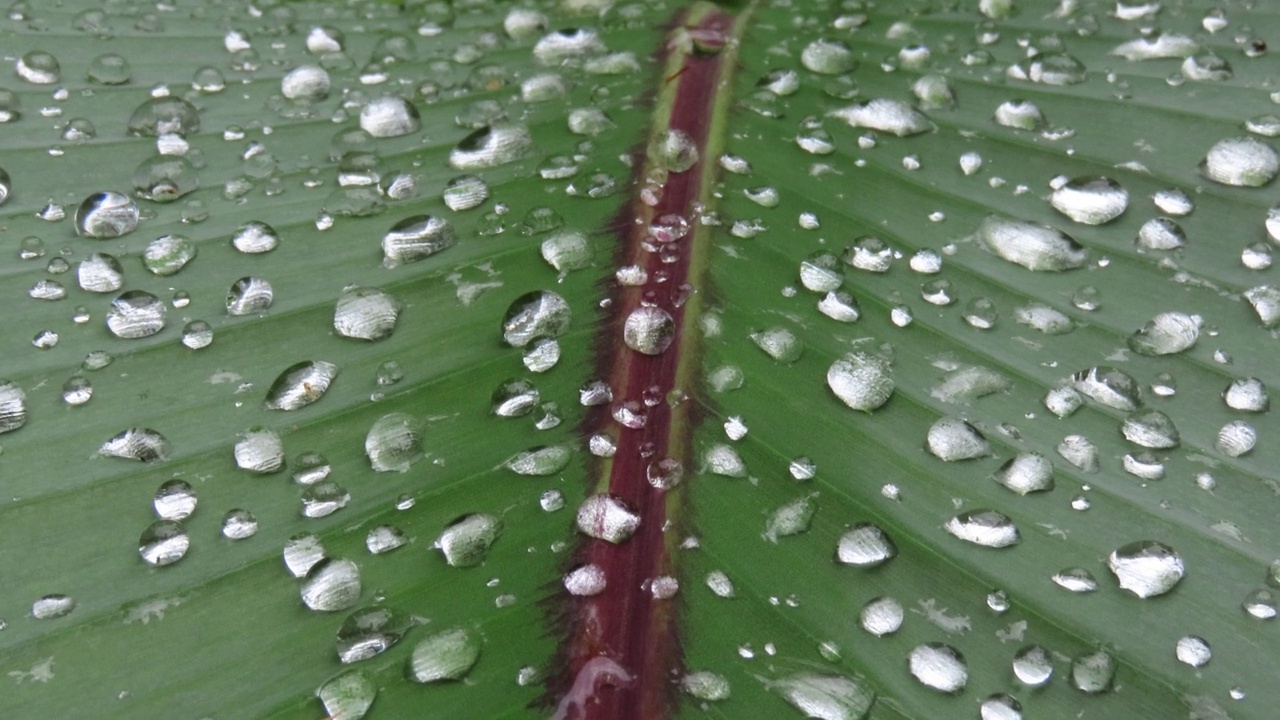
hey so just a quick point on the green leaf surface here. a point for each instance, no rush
(223, 632)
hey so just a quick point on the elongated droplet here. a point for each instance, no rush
(142, 444)
(446, 655)
(987, 528)
(1146, 568)
(1033, 246)
(829, 697)
(347, 696)
(300, 385)
(331, 585)
(466, 541)
(394, 443)
(939, 667)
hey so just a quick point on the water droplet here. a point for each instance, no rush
(415, 238)
(331, 585)
(384, 539)
(535, 315)
(300, 385)
(1166, 334)
(891, 116)
(514, 398)
(466, 541)
(13, 406)
(1162, 46)
(1261, 604)
(1150, 429)
(309, 83)
(1146, 568)
(881, 616)
(987, 528)
(1000, 707)
(302, 553)
(142, 444)
(324, 499)
(347, 696)
(445, 655)
(394, 443)
(1033, 666)
(495, 145)
(465, 192)
(1034, 246)
(1093, 672)
(1241, 161)
(1026, 473)
(585, 581)
(706, 686)
(939, 667)
(794, 518)
(1108, 386)
(1236, 438)
(239, 524)
(255, 237)
(259, 450)
(1076, 580)
(862, 381)
(1193, 650)
(608, 518)
(175, 500)
(164, 115)
(365, 313)
(389, 116)
(52, 606)
(77, 390)
(249, 295)
(1091, 200)
(1019, 114)
(1247, 395)
(951, 439)
(106, 215)
(829, 697)
(540, 462)
(168, 254)
(164, 542)
(865, 545)
(369, 632)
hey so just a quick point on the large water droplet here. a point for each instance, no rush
(1241, 161)
(649, 330)
(987, 528)
(466, 541)
(1091, 200)
(255, 237)
(495, 145)
(1032, 245)
(142, 444)
(309, 83)
(389, 116)
(1247, 395)
(866, 545)
(13, 406)
(52, 606)
(175, 500)
(1033, 666)
(331, 585)
(1150, 429)
(259, 450)
(445, 655)
(608, 518)
(540, 462)
(1093, 672)
(1108, 386)
(415, 238)
(100, 273)
(168, 254)
(365, 313)
(249, 295)
(1193, 650)
(370, 631)
(881, 616)
(891, 116)
(826, 697)
(539, 314)
(300, 385)
(164, 115)
(951, 439)
(394, 442)
(106, 215)
(939, 667)
(1146, 568)
(1166, 334)
(1027, 472)
(301, 553)
(862, 381)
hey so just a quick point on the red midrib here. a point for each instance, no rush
(622, 656)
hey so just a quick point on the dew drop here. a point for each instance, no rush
(164, 542)
(394, 443)
(445, 655)
(106, 215)
(865, 545)
(141, 444)
(1093, 672)
(951, 439)
(259, 450)
(466, 541)
(365, 313)
(828, 697)
(986, 528)
(1146, 568)
(862, 381)
(1033, 666)
(539, 314)
(1193, 650)
(939, 667)
(331, 585)
(649, 330)
(1242, 162)
(415, 238)
(249, 295)
(881, 616)
(1034, 246)
(608, 518)
(347, 696)
(389, 116)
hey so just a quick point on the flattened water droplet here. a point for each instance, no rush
(649, 330)
(1076, 580)
(1161, 233)
(1166, 334)
(445, 655)
(1033, 666)
(239, 524)
(939, 667)
(249, 295)
(884, 114)
(1236, 438)
(465, 192)
(301, 553)
(168, 254)
(861, 380)
(1242, 162)
(828, 697)
(1108, 386)
(309, 83)
(1193, 650)
(792, 518)
(608, 518)
(987, 528)
(52, 606)
(384, 538)
(164, 542)
(827, 57)
(466, 541)
(1146, 568)
(865, 545)
(324, 499)
(255, 237)
(951, 439)
(142, 444)
(1150, 429)
(164, 115)
(1091, 200)
(1243, 394)
(495, 145)
(540, 462)
(13, 406)
(365, 313)
(331, 585)
(1034, 246)
(706, 686)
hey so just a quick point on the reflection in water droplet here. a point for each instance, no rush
(253, 238)
(861, 380)
(495, 145)
(370, 631)
(792, 518)
(1193, 651)
(1150, 429)
(1146, 568)
(142, 444)
(446, 655)
(300, 384)
(389, 116)
(1247, 395)
(249, 295)
(1000, 707)
(881, 616)
(1242, 162)
(164, 115)
(866, 545)
(175, 500)
(100, 273)
(951, 439)
(168, 254)
(13, 406)
(884, 114)
(77, 390)
(1108, 386)
(301, 553)
(535, 315)
(136, 314)
(239, 524)
(1028, 472)
(1261, 604)
(415, 238)
(384, 539)
(1236, 438)
(365, 313)
(1093, 672)
(779, 343)
(1076, 580)
(1034, 246)
(540, 462)
(1166, 334)
(52, 606)
(1033, 666)
(259, 450)
(324, 499)
(585, 581)
(466, 541)
(1091, 200)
